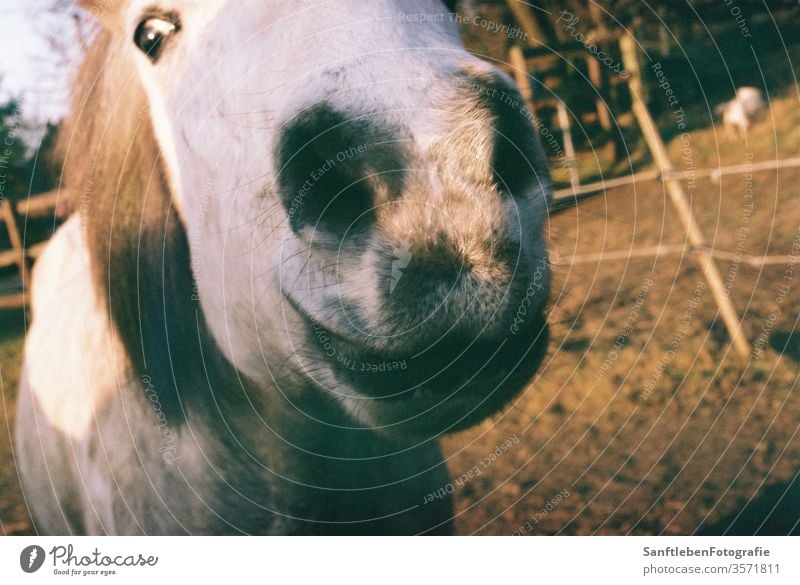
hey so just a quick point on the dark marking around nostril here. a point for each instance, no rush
(517, 157)
(329, 167)
(518, 161)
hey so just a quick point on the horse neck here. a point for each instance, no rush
(332, 471)
(280, 409)
(310, 432)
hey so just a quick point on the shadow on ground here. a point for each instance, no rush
(787, 343)
(775, 511)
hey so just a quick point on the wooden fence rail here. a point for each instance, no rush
(673, 250)
(13, 215)
(665, 171)
(562, 196)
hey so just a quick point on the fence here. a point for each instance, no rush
(14, 215)
(665, 171)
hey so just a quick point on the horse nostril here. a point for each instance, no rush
(422, 274)
(330, 166)
(429, 275)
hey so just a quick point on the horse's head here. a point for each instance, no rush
(363, 199)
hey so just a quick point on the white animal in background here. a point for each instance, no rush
(742, 111)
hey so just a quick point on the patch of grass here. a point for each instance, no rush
(12, 337)
(13, 515)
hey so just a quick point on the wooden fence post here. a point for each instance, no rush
(528, 22)
(596, 77)
(633, 67)
(678, 197)
(569, 146)
(11, 218)
(519, 65)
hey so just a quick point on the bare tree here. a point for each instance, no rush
(67, 29)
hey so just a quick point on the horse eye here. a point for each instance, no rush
(153, 33)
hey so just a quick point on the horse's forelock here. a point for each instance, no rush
(104, 11)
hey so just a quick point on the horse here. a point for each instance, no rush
(309, 244)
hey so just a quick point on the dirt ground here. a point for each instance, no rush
(642, 419)
(642, 412)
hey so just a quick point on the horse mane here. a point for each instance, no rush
(138, 249)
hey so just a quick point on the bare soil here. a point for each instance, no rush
(642, 412)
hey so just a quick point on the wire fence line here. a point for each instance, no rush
(569, 194)
(674, 250)
(564, 198)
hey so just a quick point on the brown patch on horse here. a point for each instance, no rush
(139, 251)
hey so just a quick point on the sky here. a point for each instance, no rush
(28, 67)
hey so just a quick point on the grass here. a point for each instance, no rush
(13, 514)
